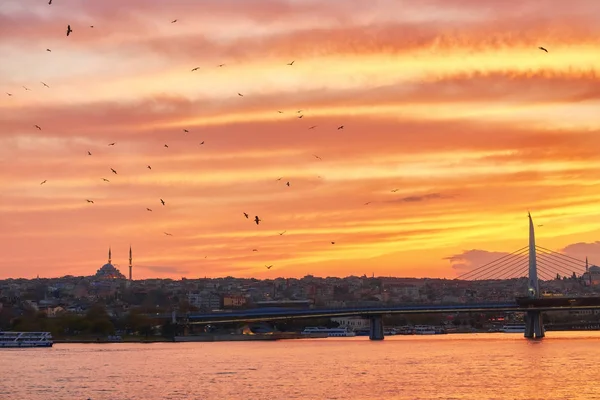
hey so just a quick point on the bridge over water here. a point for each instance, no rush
(530, 261)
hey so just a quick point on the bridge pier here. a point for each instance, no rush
(534, 325)
(376, 327)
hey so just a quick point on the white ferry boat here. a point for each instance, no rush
(25, 339)
(513, 328)
(427, 330)
(331, 332)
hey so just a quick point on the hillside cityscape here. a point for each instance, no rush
(109, 296)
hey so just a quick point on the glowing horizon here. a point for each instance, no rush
(455, 124)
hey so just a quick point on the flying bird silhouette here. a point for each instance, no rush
(186, 131)
(292, 63)
(26, 88)
(162, 201)
(10, 94)
(69, 30)
(246, 215)
(195, 69)
(149, 209)
(257, 220)
(202, 142)
(301, 116)
(50, 2)
(268, 266)
(113, 171)
(112, 144)
(312, 127)
(332, 242)
(221, 65)
(281, 233)
(241, 95)
(105, 180)
(287, 183)
(90, 201)
(394, 190)
(341, 127)
(280, 112)
(542, 48)
(149, 167)
(37, 126)
(173, 21)
(166, 146)
(168, 234)
(44, 181)
(89, 153)
(45, 85)
(317, 157)
(48, 50)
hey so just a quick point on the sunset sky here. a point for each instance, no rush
(455, 125)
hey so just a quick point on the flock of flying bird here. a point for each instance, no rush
(256, 219)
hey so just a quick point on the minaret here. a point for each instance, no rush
(109, 257)
(130, 265)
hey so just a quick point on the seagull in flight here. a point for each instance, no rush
(50, 2)
(105, 180)
(332, 242)
(112, 144)
(48, 50)
(168, 234)
(186, 131)
(278, 179)
(90, 201)
(167, 146)
(69, 30)
(543, 49)
(257, 220)
(317, 157)
(301, 116)
(246, 215)
(10, 94)
(312, 127)
(44, 181)
(113, 171)
(394, 190)
(26, 88)
(367, 203)
(149, 209)
(268, 266)
(280, 112)
(173, 21)
(195, 69)
(162, 201)
(254, 249)
(341, 127)
(149, 167)
(281, 233)
(287, 183)
(45, 85)
(202, 142)
(241, 95)
(37, 126)
(89, 153)
(292, 63)
(221, 65)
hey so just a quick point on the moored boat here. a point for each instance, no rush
(331, 332)
(25, 339)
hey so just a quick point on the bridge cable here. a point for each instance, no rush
(575, 260)
(491, 264)
(560, 268)
(489, 274)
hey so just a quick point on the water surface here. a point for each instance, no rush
(473, 366)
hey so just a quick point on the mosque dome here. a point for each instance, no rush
(594, 269)
(109, 271)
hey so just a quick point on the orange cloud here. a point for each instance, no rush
(454, 124)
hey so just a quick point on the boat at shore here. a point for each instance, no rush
(513, 328)
(25, 339)
(247, 338)
(331, 332)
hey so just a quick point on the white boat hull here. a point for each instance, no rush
(13, 345)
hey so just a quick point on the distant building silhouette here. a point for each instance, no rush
(109, 271)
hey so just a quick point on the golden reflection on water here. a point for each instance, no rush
(458, 366)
